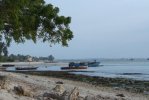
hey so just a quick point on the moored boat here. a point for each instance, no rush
(93, 64)
(26, 68)
(73, 65)
(8, 65)
(81, 67)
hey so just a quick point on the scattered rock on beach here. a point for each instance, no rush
(51, 96)
(59, 82)
(120, 95)
(90, 97)
(59, 89)
(2, 82)
(146, 92)
(19, 90)
(74, 94)
(71, 95)
(66, 95)
(100, 97)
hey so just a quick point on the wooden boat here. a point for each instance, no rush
(80, 67)
(93, 64)
(26, 68)
(8, 65)
(73, 65)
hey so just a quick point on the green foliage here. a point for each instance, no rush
(5, 59)
(24, 58)
(22, 20)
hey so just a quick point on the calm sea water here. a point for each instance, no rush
(138, 70)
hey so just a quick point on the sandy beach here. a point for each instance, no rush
(34, 88)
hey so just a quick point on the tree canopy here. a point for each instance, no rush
(22, 20)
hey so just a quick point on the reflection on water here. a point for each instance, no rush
(127, 69)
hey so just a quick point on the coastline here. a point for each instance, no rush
(40, 82)
(130, 85)
(36, 84)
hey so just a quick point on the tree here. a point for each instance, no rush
(51, 58)
(3, 49)
(22, 20)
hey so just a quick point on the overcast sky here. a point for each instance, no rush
(102, 29)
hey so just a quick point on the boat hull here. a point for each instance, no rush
(93, 64)
(26, 68)
(8, 65)
(67, 68)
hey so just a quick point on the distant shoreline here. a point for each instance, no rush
(21, 63)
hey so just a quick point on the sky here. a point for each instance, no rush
(102, 29)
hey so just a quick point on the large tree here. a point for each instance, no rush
(22, 20)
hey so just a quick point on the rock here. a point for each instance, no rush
(146, 92)
(59, 89)
(100, 97)
(120, 95)
(90, 97)
(59, 82)
(2, 82)
(74, 94)
(28, 93)
(80, 98)
(65, 95)
(19, 90)
(51, 96)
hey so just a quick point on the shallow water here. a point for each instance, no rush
(138, 70)
(126, 69)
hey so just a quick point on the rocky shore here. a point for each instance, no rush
(131, 85)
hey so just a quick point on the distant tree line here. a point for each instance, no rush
(24, 58)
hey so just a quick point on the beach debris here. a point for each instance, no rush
(120, 95)
(19, 90)
(59, 88)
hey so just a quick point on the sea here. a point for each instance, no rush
(137, 69)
